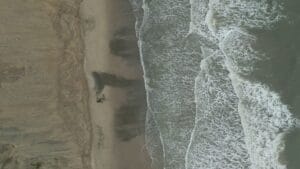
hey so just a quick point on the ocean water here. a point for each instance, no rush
(223, 82)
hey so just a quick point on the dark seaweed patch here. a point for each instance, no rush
(10, 73)
(99, 83)
(130, 117)
(124, 44)
(100, 136)
(102, 79)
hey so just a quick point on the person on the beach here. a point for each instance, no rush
(101, 99)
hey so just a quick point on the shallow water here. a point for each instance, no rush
(222, 81)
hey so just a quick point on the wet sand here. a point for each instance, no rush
(115, 77)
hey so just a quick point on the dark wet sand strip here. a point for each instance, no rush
(115, 75)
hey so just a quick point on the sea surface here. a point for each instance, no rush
(223, 82)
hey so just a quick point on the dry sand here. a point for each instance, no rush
(118, 122)
(44, 116)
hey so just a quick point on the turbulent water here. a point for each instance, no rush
(222, 82)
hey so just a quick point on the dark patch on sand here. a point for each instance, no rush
(36, 165)
(10, 73)
(130, 117)
(98, 82)
(128, 123)
(102, 79)
(129, 120)
(100, 135)
(89, 24)
(41, 162)
(124, 44)
(6, 153)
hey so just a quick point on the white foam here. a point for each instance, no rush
(265, 118)
(259, 14)
(150, 147)
(260, 118)
(199, 10)
(218, 137)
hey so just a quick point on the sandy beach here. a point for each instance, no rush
(71, 86)
(112, 55)
(44, 116)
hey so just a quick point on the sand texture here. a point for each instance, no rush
(57, 57)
